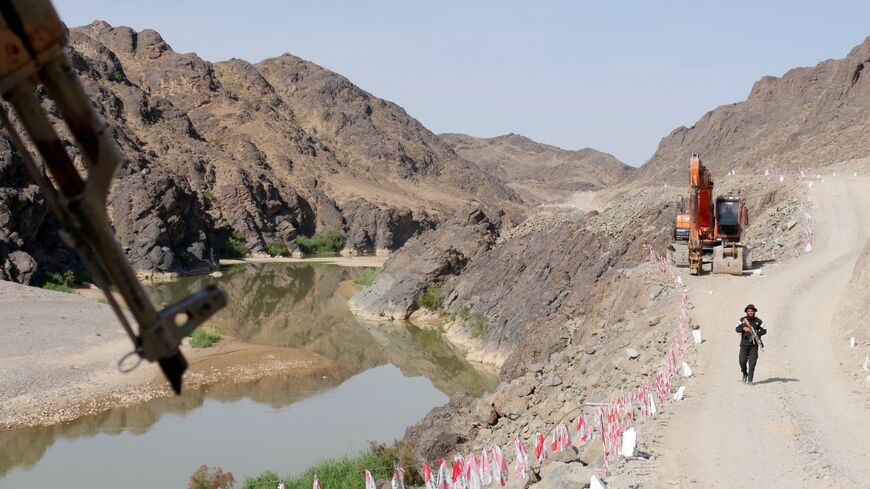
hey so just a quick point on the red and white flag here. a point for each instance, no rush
(485, 473)
(398, 480)
(458, 480)
(370, 481)
(540, 450)
(316, 484)
(442, 474)
(427, 477)
(499, 468)
(522, 464)
(582, 429)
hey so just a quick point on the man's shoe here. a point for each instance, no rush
(745, 379)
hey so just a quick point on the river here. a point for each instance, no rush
(386, 378)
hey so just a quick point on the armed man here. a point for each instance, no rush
(751, 330)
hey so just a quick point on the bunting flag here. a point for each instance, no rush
(281, 485)
(499, 468)
(472, 472)
(442, 474)
(458, 478)
(485, 474)
(398, 480)
(316, 484)
(582, 429)
(540, 451)
(522, 464)
(370, 481)
(427, 477)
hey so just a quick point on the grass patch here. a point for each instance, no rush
(478, 326)
(234, 247)
(278, 249)
(464, 312)
(346, 471)
(327, 243)
(432, 298)
(366, 277)
(203, 339)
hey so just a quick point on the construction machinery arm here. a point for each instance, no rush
(32, 52)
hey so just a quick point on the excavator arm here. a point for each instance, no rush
(33, 53)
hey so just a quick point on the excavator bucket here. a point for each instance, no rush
(728, 258)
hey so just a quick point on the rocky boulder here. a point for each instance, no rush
(427, 259)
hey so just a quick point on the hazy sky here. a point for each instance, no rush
(612, 75)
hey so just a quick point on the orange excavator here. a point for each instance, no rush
(708, 227)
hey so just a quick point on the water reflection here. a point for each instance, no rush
(305, 306)
(300, 306)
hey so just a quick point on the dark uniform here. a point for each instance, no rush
(748, 347)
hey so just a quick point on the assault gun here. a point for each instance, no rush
(755, 338)
(33, 52)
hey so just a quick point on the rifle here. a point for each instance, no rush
(755, 338)
(32, 51)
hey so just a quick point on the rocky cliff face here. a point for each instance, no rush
(810, 117)
(540, 172)
(268, 151)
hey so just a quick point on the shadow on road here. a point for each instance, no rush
(776, 379)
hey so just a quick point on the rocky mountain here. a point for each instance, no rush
(267, 151)
(810, 117)
(540, 172)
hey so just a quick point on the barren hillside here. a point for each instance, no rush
(269, 152)
(540, 172)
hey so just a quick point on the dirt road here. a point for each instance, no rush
(805, 422)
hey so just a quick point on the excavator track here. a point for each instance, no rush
(678, 254)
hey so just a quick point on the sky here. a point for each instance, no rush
(615, 75)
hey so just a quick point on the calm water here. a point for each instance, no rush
(390, 376)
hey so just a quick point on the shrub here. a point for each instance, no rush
(234, 247)
(274, 101)
(330, 242)
(366, 277)
(203, 339)
(215, 478)
(431, 298)
(278, 249)
(60, 282)
(478, 326)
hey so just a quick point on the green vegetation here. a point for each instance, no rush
(327, 243)
(218, 143)
(478, 326)
(215, 478)
(464, 312)
(278, 249)
(346, 471)
(234, 247)
(203, 339)
(273, 100)
(366, 277)
(65, 282)
(117, 76)
(431, 298)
